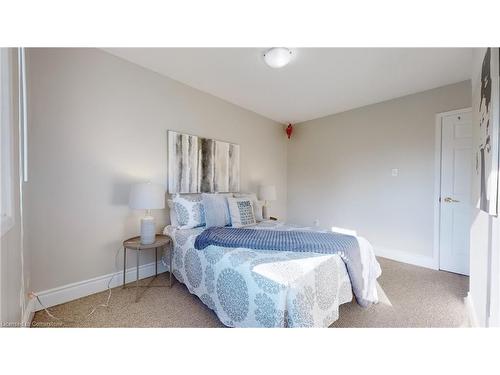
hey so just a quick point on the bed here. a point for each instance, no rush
(264, 288)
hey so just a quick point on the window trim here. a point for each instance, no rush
(7, 140)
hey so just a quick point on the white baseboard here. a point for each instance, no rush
(469, 303)
(405, 257)
(29, 313)
(98, 284)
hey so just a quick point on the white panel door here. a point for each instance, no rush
(455, 202)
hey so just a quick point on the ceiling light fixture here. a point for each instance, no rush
(278, 57)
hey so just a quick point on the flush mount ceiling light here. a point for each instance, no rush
(278, 57)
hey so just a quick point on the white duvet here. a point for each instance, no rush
(255, 288)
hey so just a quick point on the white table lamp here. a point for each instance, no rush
(267, 193)
(147, 196)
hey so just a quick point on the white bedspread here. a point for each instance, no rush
(249, 288)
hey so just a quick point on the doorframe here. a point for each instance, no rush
(437, 178)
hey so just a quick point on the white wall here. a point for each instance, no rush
(14, 258)
(99, 124)
(339, 170)
(484, 239)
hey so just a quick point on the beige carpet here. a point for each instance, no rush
(409, 297)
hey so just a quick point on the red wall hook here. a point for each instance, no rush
(289, 130)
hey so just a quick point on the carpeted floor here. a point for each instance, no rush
(409, 297)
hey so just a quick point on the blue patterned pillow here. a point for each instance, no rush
(216, 210)
(189, 210)
(257, 205)
(242, 213)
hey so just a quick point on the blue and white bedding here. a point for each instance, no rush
(298, 241)
(266, 288)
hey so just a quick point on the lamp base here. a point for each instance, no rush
(265, 212)
(148, 230)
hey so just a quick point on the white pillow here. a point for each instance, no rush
(257, 205)
(189, 210)
(242, 212)
(173, 216)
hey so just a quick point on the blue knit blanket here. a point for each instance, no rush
(347, 247)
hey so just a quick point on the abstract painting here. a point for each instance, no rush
(202, 165)
(487, 133)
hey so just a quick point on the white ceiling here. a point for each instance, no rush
(318, 81)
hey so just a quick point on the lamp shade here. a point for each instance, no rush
(267, 193)
(147, 196)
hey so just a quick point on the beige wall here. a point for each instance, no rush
(99, 124)
(339, 169)
(14, 258)
(484, 237)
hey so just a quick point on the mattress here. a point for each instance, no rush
(256, 288)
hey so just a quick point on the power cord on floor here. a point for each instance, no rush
(73, 321)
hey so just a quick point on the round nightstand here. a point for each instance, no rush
(134, 243)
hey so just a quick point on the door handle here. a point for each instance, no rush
(450, 200)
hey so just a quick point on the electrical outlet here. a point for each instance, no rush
(316, 222)
(395, 172)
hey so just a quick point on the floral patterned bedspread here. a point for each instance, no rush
(255, 288)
